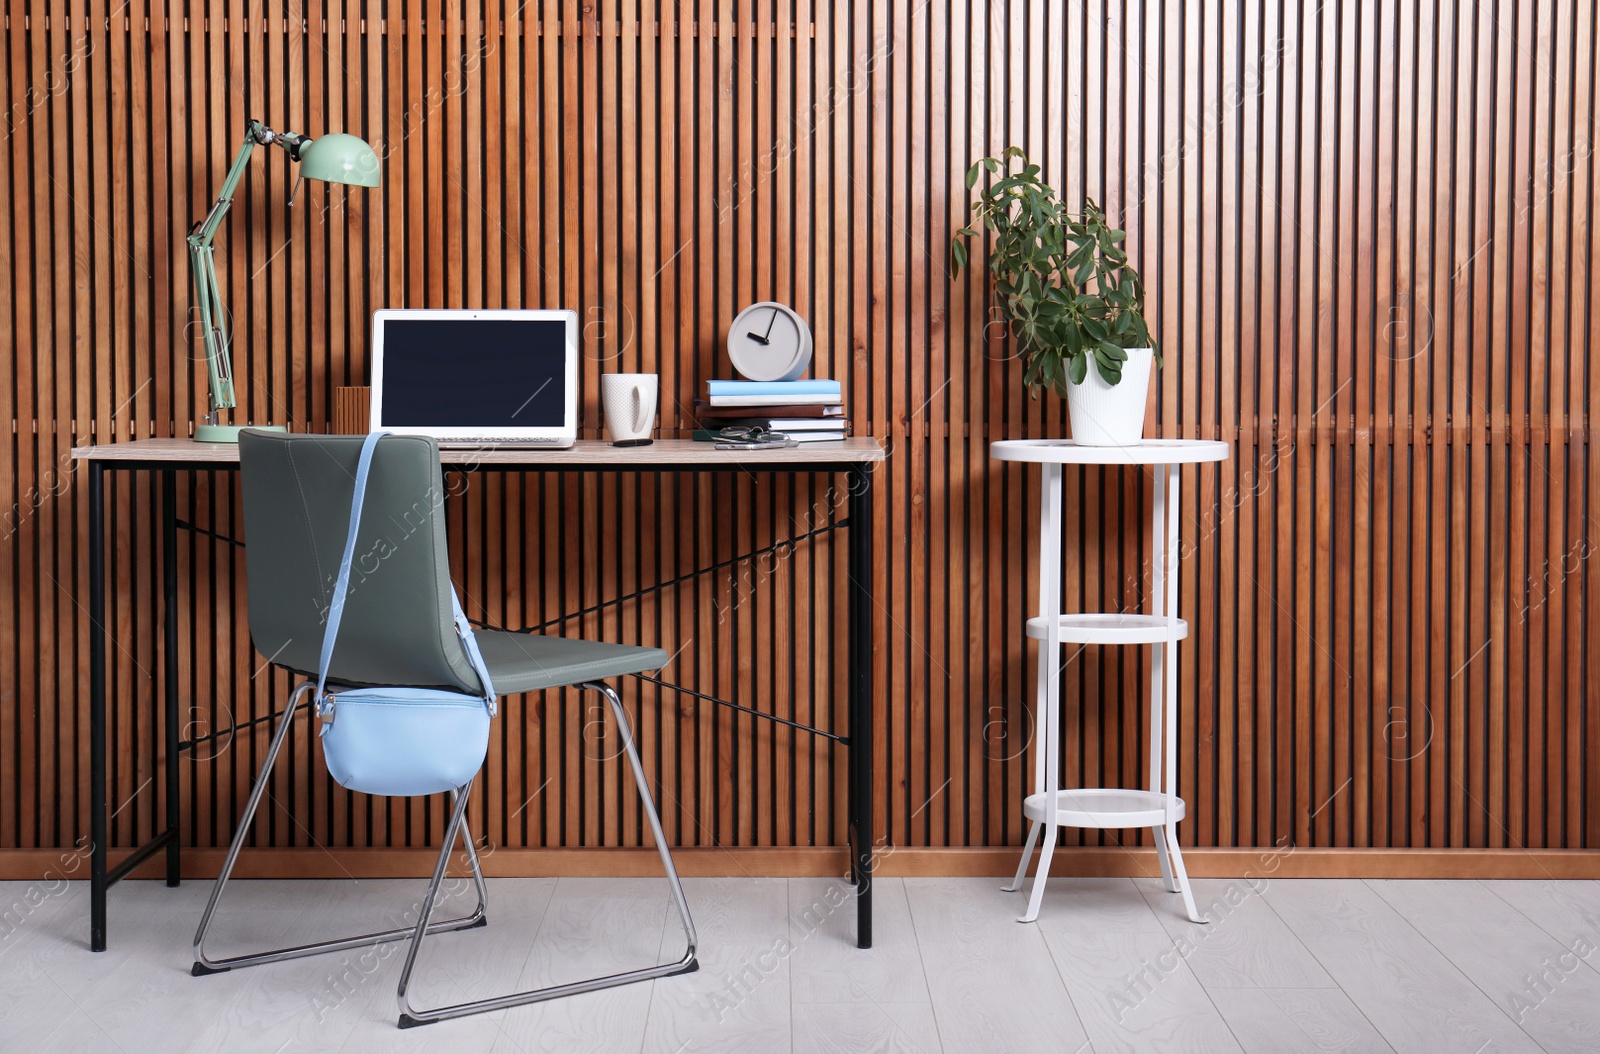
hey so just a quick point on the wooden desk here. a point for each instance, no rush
(852, 457)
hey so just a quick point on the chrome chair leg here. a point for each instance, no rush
(660, 836)
(411, 1016)
(204, 965)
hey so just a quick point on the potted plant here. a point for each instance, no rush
(1069, 296)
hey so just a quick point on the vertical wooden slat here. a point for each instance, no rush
(1385, 467)
(33, 521)
(21, 755)
(1580, 174)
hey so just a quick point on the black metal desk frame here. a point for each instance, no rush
(859, 602)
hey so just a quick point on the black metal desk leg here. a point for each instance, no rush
(860, 561)
(169, 662)
(97, 708)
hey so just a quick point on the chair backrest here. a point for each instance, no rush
(398, 627)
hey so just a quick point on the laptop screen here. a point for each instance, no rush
(474, 372)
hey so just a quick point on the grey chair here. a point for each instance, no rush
(397, 631)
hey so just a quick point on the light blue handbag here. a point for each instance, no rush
(399, 741)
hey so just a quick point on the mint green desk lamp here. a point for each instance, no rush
(334, 158)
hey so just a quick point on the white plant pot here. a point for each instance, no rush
(1111, 414)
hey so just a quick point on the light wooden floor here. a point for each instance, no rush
(1285, 966)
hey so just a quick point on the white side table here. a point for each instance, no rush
(1158, 808)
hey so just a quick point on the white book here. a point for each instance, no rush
(806, 424)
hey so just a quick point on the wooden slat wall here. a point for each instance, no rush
(1367, 232)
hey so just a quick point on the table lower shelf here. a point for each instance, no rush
(1112, 627)
(1107, 807)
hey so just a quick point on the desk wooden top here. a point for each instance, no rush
(592, 453)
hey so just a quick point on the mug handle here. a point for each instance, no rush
(638, 410)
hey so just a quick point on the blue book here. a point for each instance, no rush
(773, 388)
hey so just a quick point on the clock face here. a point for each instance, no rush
(769, 342)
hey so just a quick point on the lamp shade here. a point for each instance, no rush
(340, 158)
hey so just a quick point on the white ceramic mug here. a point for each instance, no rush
(630, 406)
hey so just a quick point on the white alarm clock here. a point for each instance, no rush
(769, 342)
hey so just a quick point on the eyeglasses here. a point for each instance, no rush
(738, 437)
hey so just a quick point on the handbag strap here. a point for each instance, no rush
(342, 586)
(469, 641)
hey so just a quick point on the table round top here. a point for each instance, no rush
(1144, 452)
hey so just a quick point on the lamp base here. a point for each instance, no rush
(228, 433)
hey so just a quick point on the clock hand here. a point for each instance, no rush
(765, 339)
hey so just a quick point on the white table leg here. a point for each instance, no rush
(1052, 776)
(1166, 838)
(1169, 680)
(1047, 691)
(1027, 854)
(1170, 835)
(1037, 896)
(1168, 883)
(1159, 554)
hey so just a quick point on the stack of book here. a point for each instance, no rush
(809, 411)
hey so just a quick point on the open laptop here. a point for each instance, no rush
(476, 378)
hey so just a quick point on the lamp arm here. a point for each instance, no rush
(255, 134)
(208, 299)
(208, 294)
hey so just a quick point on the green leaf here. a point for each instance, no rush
(972, 175)
(992, 165)
(1114, 353)
(1077, 368)
(958, 255)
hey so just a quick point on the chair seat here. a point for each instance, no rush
(528, 662)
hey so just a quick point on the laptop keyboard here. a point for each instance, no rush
(480, 442)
